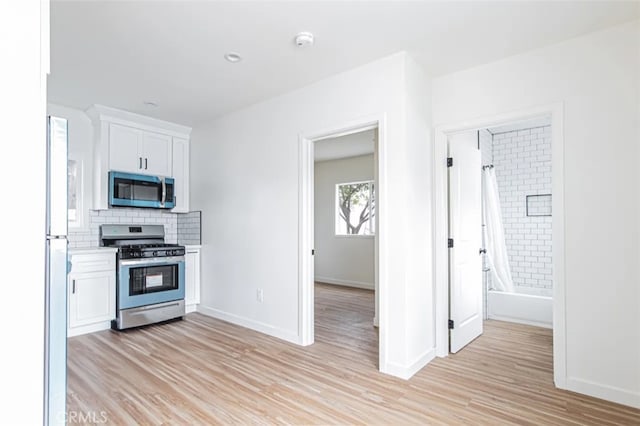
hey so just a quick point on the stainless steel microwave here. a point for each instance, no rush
(135, 190)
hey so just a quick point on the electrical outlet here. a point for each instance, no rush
(260, 295)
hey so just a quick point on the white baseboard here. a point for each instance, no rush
(609, 393)
(91, 328)
(190, 308)
(345, 283)
(520, 321)
(406, 372)
(251, 324)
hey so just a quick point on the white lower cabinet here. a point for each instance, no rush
(192, 278)
(91, 287)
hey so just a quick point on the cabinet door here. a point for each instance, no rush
(124, 149)
(91, 297)
(192, 277)
(156, 150)
(180, 164)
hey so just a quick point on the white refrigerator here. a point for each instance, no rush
(55, 380)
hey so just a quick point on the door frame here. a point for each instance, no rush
(441, 226)
(306, 226)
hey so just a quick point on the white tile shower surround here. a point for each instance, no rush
(189, 225)
(522, 161)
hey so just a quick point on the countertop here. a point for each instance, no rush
(92, 250)
(192, 246)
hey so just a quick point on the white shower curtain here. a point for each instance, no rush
(497, 258)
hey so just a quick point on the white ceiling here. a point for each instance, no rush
(352, 145)
(121, 53)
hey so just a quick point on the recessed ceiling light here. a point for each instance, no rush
(304, 39)
(150, 104)
(232, 57)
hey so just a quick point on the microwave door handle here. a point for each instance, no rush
(164, 192)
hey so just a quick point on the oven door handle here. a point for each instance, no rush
(152, 261)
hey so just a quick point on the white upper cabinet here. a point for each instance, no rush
(124, 148)
(181, 174)
(138, 151)
(134, 143)
(156, 154)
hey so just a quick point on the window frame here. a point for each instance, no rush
(336, 213)
(79, 222)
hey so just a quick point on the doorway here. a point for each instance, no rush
(376, 187)
(344, 241)
(479, 302)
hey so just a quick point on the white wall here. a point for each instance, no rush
(416, 216)
(339, 259)
(22, 170)
(596, 78)
(245, 180)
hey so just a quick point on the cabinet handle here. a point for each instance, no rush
(140, 166)
(73, 286)
(145, 163)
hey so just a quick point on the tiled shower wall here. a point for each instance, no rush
(88, 237)
(522, 161)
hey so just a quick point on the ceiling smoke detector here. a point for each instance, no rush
(233, 57)
(304, 39)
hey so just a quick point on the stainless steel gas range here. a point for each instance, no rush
(149, 275)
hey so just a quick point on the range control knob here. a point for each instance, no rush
(155, 254)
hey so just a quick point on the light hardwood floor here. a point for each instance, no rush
(205, 371)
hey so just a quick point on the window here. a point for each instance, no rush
(355, 208)
(74, 194)
(72, 189)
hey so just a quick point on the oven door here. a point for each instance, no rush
(144, 282)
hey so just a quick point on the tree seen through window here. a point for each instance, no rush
(355, 208)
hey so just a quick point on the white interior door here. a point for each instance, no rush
(465, 221)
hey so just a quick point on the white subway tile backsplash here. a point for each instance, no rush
(88, 237)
